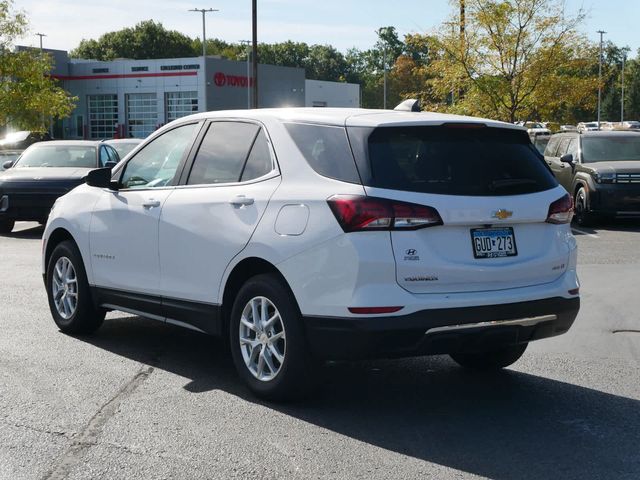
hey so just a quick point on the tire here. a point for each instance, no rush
(6, 226)
(73, 309)
(582, 216)
(274, 362)
(490, 360)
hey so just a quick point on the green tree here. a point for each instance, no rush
(28, 95)
(632, 93)
(147, 40)
(517, 59)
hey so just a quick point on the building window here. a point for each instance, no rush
(180, 104)
(103, 115)
(142, 114)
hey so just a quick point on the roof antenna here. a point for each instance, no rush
(410, 105)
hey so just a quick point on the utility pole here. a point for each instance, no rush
(248, 53)
(254, 51)
(204, 11)
(384, 68)
(601, 32)
(624, 59)
(41, 35)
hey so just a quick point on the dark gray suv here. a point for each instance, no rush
(600, 169)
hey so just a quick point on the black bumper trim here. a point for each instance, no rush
(405, 335)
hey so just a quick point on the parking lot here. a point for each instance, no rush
(141, 399)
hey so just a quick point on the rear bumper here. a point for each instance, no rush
(439, 331)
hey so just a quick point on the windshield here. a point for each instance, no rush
(451, 160)
(123, 148)
(611, 149)
(58, 156)
(533, 125)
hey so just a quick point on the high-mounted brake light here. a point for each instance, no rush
(561, 211)
(356, 213)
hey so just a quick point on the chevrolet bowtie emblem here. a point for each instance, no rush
(502, 214)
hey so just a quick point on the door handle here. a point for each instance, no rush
(151, 203)
(241, 200)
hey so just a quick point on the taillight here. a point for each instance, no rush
(356, 213)
(561, 211)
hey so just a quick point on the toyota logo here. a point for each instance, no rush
(220, 79)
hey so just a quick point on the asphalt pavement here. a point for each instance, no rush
(141, 399)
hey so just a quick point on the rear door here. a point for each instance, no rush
(493, 193)
(209, 220)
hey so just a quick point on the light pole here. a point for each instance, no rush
(254, 50)
(601, 32)
(384, 68)
(204, 11)
(248, 52)
(41, 35)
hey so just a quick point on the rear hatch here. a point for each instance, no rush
(492, 191)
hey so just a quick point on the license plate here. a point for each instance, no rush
(493, 242)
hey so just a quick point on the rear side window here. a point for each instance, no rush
(454, 161)
(259, 162)
(552, 146)
(223, 152)
(326, 149)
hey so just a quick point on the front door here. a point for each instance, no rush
(124, 226)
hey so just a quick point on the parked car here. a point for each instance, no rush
(568, 128)
(631, 125)
(536, 128)
(44, 172)
(587, 127)
(302, 236)
(8, 156)
(124, 145)
(601, 170)
(540, 141)
(22, 139)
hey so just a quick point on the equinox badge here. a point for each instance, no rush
(502, 214)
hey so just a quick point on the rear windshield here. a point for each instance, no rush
(452, 161)
(611, 149)
(58, 156)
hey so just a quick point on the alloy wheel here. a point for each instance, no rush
(262, 338)
(64, 287)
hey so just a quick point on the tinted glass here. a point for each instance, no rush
(59, 156)
(156, 164)
(326, 150)
(456, 161)
(123, 148)
(259, 162)
(223, 153)
(104, 156)
(541, 143)
(574, 148)
(552, 146)
(562, 148)
(614, 148)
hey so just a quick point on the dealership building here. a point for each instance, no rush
(132, 98)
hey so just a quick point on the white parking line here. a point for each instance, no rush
(582, 232)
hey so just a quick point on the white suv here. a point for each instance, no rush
(311, 234)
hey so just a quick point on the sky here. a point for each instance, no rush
(341, 23)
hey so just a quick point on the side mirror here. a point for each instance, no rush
(110, 164)
(567, 158)
(8, 164)
(101, 178)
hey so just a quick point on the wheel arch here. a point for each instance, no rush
(244, 270)
(56, 237)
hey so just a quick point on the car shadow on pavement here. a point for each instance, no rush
(612, 225)
(30, 233)
(506, 425)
